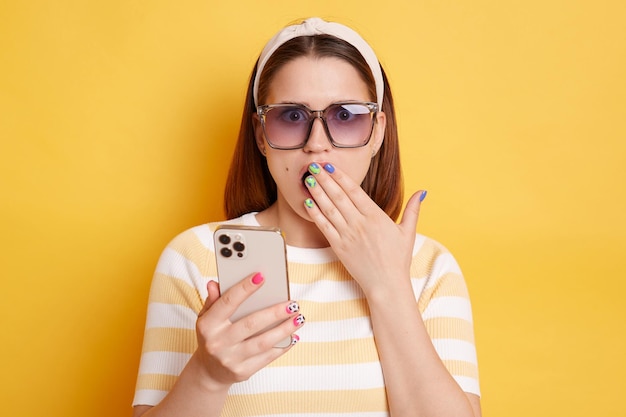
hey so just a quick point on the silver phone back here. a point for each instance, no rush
(244, 250)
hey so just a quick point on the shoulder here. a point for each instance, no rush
(190, 256)
(432, 257)
(435, 272)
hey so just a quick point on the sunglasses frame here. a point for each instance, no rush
(317, 114)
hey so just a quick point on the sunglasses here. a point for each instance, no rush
(347, 124)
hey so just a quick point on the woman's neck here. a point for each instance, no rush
(299, 232)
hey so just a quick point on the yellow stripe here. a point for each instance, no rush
(353, 401)
(169, 290)
(451, 284)
(160, 382)
(210, 269)
(311, 273)
(462, 368)
(169, 339)
(329, 353)
(425, 258)
(450, 328)
(188, 245)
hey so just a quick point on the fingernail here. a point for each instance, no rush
(310, 181)
(295, 339)
(314, 168)
(257, 278)
(423, 196)
(329, 168)
(293, 307)
(298, 320)
(309, 203)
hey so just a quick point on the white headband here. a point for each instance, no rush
(317, 26)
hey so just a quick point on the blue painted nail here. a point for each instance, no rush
(423, 196)
(310, 181)
(329, 168)
(314, 168)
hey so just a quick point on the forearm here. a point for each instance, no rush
(416, 380)
(192, 395)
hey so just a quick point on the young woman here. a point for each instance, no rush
(388, 321)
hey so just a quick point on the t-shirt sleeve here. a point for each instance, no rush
(177, 294)
(443, 300)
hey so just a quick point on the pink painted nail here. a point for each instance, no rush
(298, 320)
(295, 339)
(293, 307)
(257, 279)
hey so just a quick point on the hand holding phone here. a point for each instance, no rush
(244, 250)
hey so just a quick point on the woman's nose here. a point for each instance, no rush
(318, 139)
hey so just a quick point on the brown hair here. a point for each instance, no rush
(250, 186)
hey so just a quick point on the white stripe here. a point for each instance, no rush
(153, 397)
(173, 264)
(453, 307)
(312, 378)
(166, 363)
(468, 384)
(419, 242)
(455, 350)
(336, 331)
(445, 263)
(311, 256)
(148, 397)
(418, 286)
(170, 315)
(205, 236)
(326, 291)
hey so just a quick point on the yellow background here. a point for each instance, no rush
(117, 120)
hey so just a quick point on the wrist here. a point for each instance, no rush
(388, 288)
(202, 379)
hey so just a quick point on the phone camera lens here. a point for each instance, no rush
(224, 239)
(238, 246)
(227, 253)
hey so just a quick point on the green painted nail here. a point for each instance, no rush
(314, 168)
(309, 203)
(311, 182)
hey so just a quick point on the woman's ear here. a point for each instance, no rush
(258, 133)
(378, 135)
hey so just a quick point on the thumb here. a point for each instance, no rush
(214, 293)
(412, 211)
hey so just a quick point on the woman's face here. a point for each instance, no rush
(316, 83)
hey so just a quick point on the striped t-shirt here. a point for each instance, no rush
(334, 369)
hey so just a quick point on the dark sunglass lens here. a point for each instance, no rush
(349, 124)
(286, 126)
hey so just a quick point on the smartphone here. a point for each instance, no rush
(244, 250)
